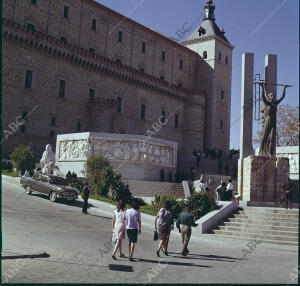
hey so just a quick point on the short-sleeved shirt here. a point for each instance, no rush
(165, 217)
(133, 217)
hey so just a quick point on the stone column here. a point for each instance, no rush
(246, 148)
(271, 77)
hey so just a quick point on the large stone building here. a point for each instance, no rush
(77, 66)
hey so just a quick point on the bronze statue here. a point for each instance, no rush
(268, 141)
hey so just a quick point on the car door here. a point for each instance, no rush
(44, 186)
(34, 182)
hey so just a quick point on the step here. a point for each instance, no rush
(290, 243)
(263, 226)
(270, 209)
(267, 218)
(263, 222)
(278, 232)
(258, 235)
(269, 214)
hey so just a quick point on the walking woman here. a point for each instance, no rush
(166, 224)
(119, 227)
(133, 226)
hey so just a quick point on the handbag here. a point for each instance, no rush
(155, 237)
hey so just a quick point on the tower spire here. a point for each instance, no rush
(209, 9)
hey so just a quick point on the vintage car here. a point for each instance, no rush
(53, 186)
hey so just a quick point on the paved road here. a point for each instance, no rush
(78, 246)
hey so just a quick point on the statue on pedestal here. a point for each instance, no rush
(48, 160)
(268, 141)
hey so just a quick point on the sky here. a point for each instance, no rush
(257, 26)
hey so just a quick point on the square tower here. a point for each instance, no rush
(214, 77)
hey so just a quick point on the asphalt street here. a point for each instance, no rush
(79, 248)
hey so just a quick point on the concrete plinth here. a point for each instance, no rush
(261, 179)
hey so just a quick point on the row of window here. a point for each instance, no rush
(62, 92)
(204, 56)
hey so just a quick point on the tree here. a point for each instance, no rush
(23, 158)
(287, 130)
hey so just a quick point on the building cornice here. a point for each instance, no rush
(50, 45)
(213, 37)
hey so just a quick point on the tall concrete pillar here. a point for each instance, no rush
(271, 73)
(246, 148)
(271, 77)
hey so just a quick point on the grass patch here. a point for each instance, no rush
(10, 173)
(147, 209)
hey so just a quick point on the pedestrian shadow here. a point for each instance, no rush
(207, 257)
(172, 263)
(122, 268)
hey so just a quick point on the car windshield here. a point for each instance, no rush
(58, 181)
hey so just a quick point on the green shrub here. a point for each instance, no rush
(7, 165)
(77, 183)
(104, 180)
(177, 206)
(201, 204)
(23, 158)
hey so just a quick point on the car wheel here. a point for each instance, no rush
(28, 190)
(53, 196)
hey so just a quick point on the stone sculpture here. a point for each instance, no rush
(48, 160)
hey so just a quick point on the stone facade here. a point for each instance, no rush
(89, 71)
(262, 178)
(136, 157)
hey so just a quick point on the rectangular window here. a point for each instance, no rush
(119, 61)
(120, 38)
(33, 2)
(221, 124)
(91, 51)
(78, 126)
(23, 128)
(163, 116)
(143, 47)
(181, 64)
(180, 85)
(53, 121)
(220, 56)
(63, 39)
(142, 70)
(52, 133)
(176, 120)
(163, 56)
(94, 24)
(162, 78)
(30, 28)
(66, 12)
(28, 79)
(222, 94)
(119, 104)
(91, 94)
(62, 88)
(24, 115)
(143, 111)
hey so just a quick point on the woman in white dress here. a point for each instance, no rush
(119, 227)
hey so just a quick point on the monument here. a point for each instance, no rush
(48, 160)
(136, 157)
(260, 178)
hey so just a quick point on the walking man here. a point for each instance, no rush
(288, 188)
(186, 221)
(85, 195)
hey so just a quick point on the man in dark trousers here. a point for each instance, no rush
(186, 220)
(85, 195)
(288, 193)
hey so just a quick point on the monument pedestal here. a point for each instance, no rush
(261, 179)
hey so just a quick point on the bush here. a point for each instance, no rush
(7, 165)
(177, 206)
(179, 177)
(200, 204)
(104, 180)
(77, 183)
(23, 158)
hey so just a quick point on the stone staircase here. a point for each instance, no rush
(273, 225)
(149, 189)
